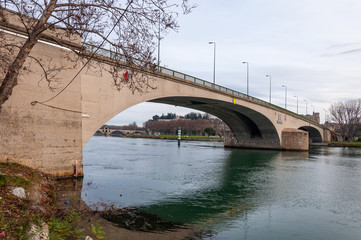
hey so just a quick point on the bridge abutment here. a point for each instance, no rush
(44, 137)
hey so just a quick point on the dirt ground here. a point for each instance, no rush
(69, 199)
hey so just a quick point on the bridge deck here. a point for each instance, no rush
(172, 73)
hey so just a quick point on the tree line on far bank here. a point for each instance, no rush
(191, 124)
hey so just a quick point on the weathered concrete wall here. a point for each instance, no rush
(38, 136)
(293, 139)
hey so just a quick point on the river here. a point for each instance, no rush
(230, 193)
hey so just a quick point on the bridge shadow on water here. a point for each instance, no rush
(240, 187)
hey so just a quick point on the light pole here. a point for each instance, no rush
(159, 41)
(297, 103)
(285, 95)
(214, 62)
(313, 109)
(247, 77)
(270, 86)
(306, 105)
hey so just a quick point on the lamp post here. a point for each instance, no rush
(270, 86)
(214, 62)
(297, 103)
(247, 77)
(313, 109)
(285, 95)
(159, 41)
(306, 105)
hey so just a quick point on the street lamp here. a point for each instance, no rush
(270, 85)
(247, 77)
(297, 103)
(214, 62)
(159, 41)
(285, 95)
(306, 105)
(325, 115)
(313, 108)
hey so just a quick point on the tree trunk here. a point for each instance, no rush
(11, 77)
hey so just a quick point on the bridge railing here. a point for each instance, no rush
(118, 56)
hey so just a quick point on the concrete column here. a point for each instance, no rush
(294, 139)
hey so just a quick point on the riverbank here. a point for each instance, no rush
(344, 144)
(35, 206)
(27, 201)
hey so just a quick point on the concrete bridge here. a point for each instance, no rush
(51, 136)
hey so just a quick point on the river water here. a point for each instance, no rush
(230, 193)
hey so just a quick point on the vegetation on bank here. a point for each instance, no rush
(344, 144)
(17, 214)
(34, 213)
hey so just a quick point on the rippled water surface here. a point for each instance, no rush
(232, 193)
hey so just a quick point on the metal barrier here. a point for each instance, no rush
(118, 56)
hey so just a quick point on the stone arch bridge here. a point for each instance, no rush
(51, 136)
(112, 131)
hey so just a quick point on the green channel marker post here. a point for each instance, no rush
(179, 136)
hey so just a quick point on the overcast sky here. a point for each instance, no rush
(311, 46)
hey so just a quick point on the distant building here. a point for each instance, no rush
(314, 117)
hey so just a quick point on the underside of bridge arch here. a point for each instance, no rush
(250, 129)
(314, 134)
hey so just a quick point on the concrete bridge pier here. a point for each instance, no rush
(292, 139)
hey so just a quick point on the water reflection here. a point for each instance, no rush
(237, 184)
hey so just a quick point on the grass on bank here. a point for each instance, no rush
(17, 215)
(344, 144)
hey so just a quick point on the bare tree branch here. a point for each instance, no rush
(91, 20)
(347, 116)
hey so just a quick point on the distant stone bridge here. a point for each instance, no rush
(111, 131)
(50, 137)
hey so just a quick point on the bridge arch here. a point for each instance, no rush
(314, 134)
(248, 127)
(116, 134)
(254, 123)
